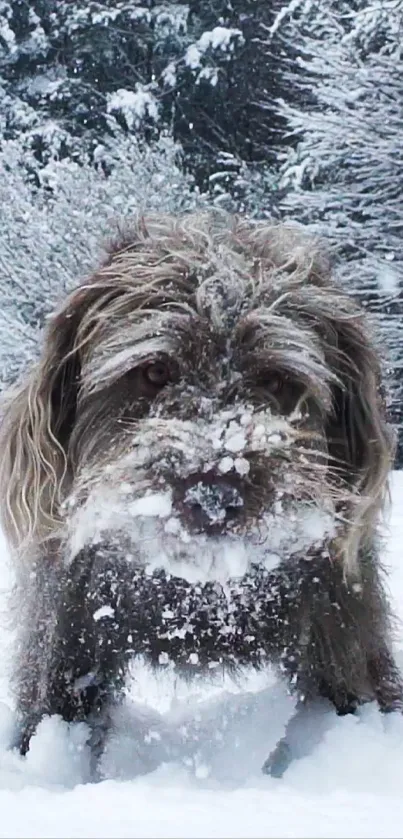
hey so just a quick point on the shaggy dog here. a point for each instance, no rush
(194, 472)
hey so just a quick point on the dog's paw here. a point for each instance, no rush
(304, 731)
(279, 760)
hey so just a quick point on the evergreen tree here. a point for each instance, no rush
(344, 176)
(73, 70)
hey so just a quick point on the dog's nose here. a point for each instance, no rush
(211, 502)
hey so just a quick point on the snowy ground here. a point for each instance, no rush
(350, 786)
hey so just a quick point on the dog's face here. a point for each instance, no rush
(199, 427)
(209, 388)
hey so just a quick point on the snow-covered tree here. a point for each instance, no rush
(67, 64)
(90, 92)
(344, 175)
(199, 69)
(51, 236)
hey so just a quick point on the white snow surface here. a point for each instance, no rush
(350, 785)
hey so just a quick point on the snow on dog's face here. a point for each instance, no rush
(209, 399)
(205, 498)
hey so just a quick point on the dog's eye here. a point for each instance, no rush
(157, 374)
(271, 382)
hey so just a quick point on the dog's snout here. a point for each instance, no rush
(210, 502)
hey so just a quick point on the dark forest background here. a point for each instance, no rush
(277, 109)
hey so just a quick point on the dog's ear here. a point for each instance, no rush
(360, 441)
(36, 423)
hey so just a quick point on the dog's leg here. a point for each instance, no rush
(312, 717)
(37, 601)
(386, 680)
(305, 730)
(334, 648)
(75, 658)
(345, 655)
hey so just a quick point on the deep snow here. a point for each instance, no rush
(349, 786)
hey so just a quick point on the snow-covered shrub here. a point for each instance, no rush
(51, 235)
(343, 178)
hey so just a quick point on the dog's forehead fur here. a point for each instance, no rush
(216, 291)
(210, 271)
